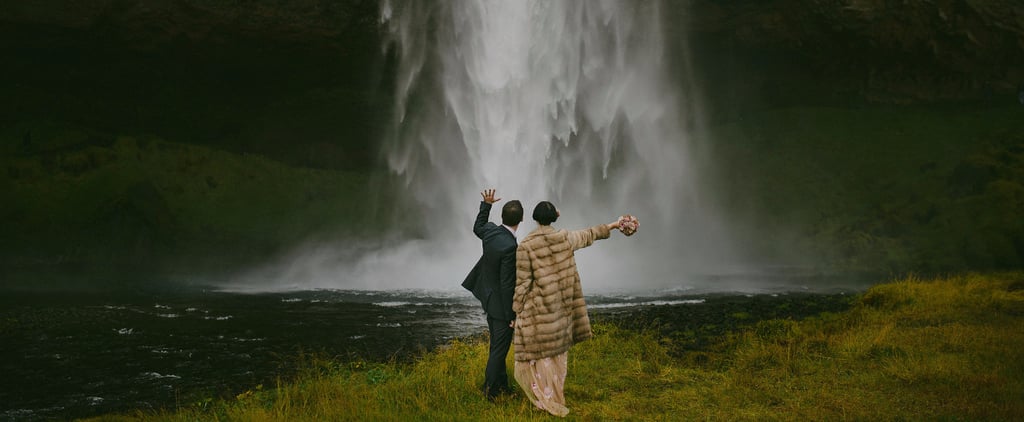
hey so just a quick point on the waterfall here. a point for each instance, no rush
(566, 101)
(560, 100)
(541, 99)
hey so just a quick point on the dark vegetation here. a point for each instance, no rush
(930, 189)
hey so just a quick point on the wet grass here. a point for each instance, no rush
(937, 349)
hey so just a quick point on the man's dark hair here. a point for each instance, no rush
(512, 213)
(545, 213)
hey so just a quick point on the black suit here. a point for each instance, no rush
(493, 282)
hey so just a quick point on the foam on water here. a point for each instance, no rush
(648, 303)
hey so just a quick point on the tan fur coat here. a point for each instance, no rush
(551, 314)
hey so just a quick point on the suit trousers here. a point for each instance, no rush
(496, 376)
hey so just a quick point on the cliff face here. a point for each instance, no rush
(296, 80)
(306, 80)
(884, 50)
(306, 83)
(156, 24)
(878, 50)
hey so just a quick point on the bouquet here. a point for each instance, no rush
(628, 224)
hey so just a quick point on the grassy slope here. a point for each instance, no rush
(79, 197)
(912, 349)
(879, 189)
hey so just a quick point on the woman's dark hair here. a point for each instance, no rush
(512, 213)
(545, 213)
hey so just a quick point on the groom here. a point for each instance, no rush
(493, 281)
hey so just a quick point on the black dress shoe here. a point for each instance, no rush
(493, 395)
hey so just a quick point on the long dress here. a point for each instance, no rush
(543, 381)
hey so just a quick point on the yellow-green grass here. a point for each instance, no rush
(941, 349)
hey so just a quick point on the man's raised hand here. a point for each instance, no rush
(488, 195)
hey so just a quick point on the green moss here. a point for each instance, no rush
(880, 190)
(94, 200)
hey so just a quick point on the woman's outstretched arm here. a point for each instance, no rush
(580, 239)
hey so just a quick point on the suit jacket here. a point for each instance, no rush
(493, 279)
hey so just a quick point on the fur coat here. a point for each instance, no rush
(551, 314)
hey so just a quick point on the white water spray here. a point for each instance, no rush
(566, 101)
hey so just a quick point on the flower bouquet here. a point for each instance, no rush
(628, 224)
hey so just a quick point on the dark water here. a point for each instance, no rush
(86, 354)
(83, 354)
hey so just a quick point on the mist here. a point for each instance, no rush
(568, 102)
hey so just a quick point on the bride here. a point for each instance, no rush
(551, 314)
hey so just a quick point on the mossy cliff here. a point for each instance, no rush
(879, 190)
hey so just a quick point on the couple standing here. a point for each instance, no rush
(532, 296)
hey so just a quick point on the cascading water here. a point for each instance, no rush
(566, 101)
